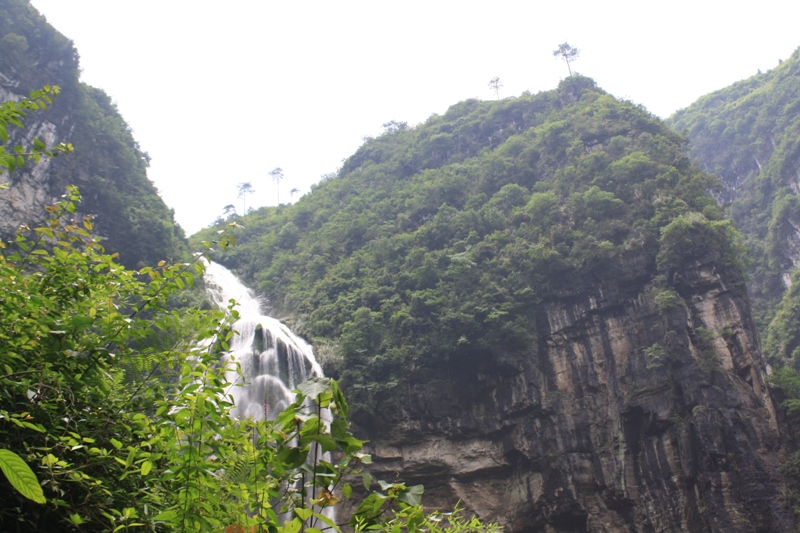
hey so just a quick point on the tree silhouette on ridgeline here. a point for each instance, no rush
(245, 188)
(495, 84)
(567, 53)
(277, 175)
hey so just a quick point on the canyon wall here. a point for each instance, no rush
(638, 410)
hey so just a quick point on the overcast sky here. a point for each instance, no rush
(220, 93)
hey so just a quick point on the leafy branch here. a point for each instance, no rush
(12, 113)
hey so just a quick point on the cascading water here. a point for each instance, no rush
(273, 359)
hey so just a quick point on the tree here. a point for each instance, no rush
(245, 188)
(393, 126)
(495, 84)
(277, 175)
(567, 53)
(294, 191)
(228, 211)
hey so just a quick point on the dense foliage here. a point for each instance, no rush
(108, 164)
(115, 411)
(749, 135)
(441, 242)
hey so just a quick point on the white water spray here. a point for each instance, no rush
(274, 360)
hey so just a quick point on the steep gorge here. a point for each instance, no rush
(539, 310)
(535, 304)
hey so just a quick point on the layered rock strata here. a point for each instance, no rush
(640, 409)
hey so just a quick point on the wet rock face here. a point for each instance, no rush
(640, 409)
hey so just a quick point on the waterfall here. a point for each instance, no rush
(273, 359)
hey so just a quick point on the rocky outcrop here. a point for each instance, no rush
(36, 185)
(641, 408)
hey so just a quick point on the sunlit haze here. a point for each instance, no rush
(222, 93)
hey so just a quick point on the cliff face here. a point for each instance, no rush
(593, 429)
(33, 55)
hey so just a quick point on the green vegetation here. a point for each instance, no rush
(441, 242)
(783, 338)
(12, 114)
(33, 53)
(656, 356)
(115, 411)
(108, 164)
(115, 408)
(749, 135)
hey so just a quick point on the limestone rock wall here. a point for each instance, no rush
(628, 415)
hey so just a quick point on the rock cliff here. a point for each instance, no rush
(636, 410)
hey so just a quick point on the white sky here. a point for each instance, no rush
(220, 93)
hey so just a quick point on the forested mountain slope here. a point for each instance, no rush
(749, 135)
(537, 309)
(108, 165)
(543, 192)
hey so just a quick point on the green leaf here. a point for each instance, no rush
(365, 458)
(315, 387)
(347, 490)
(75, 519)
(369, 508)
(338, 399)
(327, 443)
(328, 521)
(34, 427)
(303, 514)
(291, 527)
(385, 485)
(292, 457)
(146, 467)
(166, 516)
(412, 495)
(21, 476)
